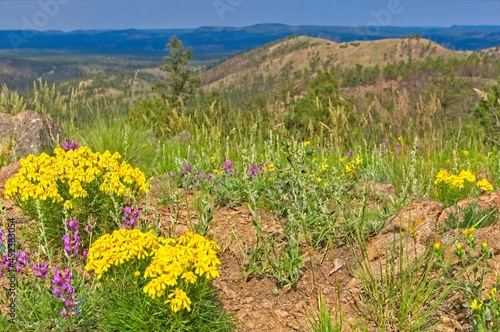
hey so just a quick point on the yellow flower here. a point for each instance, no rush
(137, 273)
(493, 293)
(269, 168)
(42, 177)
(307, 143)
(348, 168)
(484, 184)
(467, 176)
(68, 205)
(475, 304)
(437, 245)
(189, 276)
(179, 300)
(469, 231)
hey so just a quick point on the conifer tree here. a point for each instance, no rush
(183, 82)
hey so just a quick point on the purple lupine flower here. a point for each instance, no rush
(40, 270)
(22, 257)
(5, 262)
(22, 260)
(228, 166)
(71, 239)
(64, 291)
(73, 145)
(129, 217)
(187, 169)
(349, 154)
(67, 243)
(254, 170)
(209, 176)
(73, 224)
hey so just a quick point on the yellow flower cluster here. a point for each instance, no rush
(269, 168)
(459, 181)
(174, 261)
(350, 166)
(484, 184)
(187, 258)
(118, 248)
(179, 300)
(44, 177)
(443, 176)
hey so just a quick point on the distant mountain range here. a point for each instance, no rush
(219, 42)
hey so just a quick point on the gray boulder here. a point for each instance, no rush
(29, 132)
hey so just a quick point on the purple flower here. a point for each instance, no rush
(228, 166)
(5, 261)
(71, 240)
(64, 291)
(73, 145)
(209, 176)
(254, 170)
(73, 225)
(187, 169)
(40, 270)
(129, 216)
(22, 257)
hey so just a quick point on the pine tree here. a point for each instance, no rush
(183, 82)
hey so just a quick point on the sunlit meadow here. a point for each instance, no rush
(88, 260)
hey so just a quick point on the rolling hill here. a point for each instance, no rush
(301, 53)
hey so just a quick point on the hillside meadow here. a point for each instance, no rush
(281, 208)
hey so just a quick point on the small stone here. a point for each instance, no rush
(281, 313)
(248, 300)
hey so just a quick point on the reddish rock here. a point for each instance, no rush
(488, 201)
(30, 132)
(8, 172)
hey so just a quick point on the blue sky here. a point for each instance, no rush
(70, 15)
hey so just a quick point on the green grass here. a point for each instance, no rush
(316, 191)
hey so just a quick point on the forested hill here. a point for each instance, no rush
(217, 42)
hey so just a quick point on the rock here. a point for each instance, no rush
(7, 172)
(30, 132)
(488, 201)
(412, 229)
